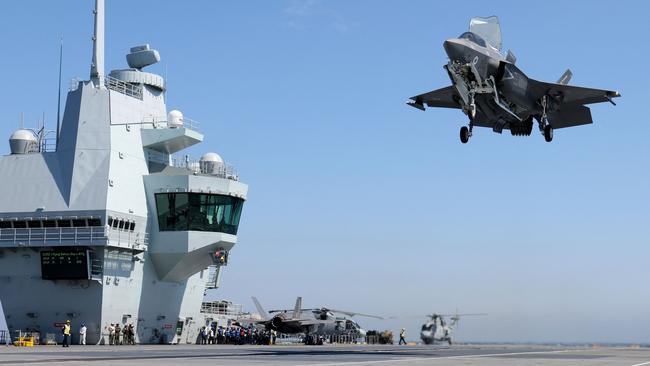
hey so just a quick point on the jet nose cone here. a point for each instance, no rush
(454, 49)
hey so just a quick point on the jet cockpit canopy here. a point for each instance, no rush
(474, 38)
(488, 29)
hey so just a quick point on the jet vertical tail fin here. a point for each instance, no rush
(297, 308)
(565, 78)
(259, 307)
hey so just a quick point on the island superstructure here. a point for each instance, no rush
(110, 224)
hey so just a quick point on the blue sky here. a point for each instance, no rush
(359, 201)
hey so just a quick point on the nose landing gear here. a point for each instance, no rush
(544, 126)
(548, 133)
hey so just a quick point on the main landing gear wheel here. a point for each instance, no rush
(464, 134)
(548, 133)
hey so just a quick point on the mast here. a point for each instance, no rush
(97, 65)
(58, 102)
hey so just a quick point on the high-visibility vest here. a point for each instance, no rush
(66, 329)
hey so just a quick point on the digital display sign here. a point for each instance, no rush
(64, 264)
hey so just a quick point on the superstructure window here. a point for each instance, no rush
(20, 224)
(94, 222)
(198, 212)
(5, 224)
(34, 224)
(63, 223)
(78, 222)
(132, 226)
(49, 223)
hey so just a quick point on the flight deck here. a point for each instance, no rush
(327, 355)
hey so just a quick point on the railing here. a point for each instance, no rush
(222, 308)
(74, 235)
(48, 145)
(132, 90)
(221, 170)
(161, 122)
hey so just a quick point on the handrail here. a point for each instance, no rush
(222, 308)
(132, 90)
(93, 235)
(157, 121)
(221, 170)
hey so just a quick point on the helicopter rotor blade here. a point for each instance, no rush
(352, 313)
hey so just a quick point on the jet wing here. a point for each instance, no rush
(443, 98)
(569, 94)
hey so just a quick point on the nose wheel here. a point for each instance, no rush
(548, 133)
(544, 126)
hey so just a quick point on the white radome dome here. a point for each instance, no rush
(212, 157)
(211, 163)
(175, 119)
(22, 141)
(23, 134)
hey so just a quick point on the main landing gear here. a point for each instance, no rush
(465, 133)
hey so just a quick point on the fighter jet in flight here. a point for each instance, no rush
(494, 93)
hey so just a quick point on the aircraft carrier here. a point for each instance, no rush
(101, 221)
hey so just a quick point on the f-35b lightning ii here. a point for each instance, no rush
(494, 93)
(312, 322)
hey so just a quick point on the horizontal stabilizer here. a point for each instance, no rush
(442, 98)
(565, 78)
(571, 115)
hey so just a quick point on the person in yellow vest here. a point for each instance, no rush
(66, 334)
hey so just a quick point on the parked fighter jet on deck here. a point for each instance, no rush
(494, 93)
(311, 322)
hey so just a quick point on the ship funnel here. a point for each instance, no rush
(97, 66)
(23, 142)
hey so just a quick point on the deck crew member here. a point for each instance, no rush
(402, 336)
(66, 334)
(82, 334)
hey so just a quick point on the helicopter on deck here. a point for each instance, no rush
(439, 330)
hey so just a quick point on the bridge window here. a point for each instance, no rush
(198, 212)
(78, 222)
(5, 224)
(34, 224)
(49, 223)
(63, 223)
(94, 222)
(20, 224)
